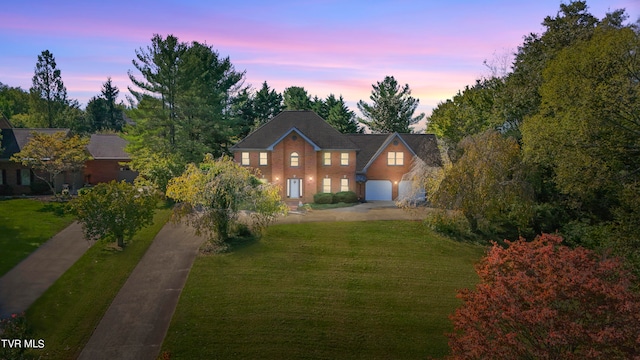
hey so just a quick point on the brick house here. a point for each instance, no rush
(302, 153)
(106, 150)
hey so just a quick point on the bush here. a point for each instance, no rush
(452, 223)
(323, 198)
(6, 190)
(40, 188)
(348, 197)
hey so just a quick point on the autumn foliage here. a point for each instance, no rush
(543, 300)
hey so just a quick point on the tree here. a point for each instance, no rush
(183, 101)
(114, 115)
(48, 93)
(267, 103)
(543, 300)
(213, 194)
(392, 108)
(470, 112)
(114, 210)
(337, 114)
(488, 184)
(51, 154)
(13, 101)
(296, 98)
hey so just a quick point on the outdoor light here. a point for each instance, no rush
(310, 178)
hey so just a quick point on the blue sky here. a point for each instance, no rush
(326, 46)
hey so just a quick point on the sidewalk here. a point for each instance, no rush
(28, 280)
(137, 321)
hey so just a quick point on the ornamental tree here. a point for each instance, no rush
(213, 194)
(543, 300)
(114, 210)
(52, 154)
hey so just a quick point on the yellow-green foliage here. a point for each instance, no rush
(219, 190)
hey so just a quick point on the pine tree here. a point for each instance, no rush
(392, 109)
(48, 93)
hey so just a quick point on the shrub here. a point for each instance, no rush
(449, 223)
(348, 197)
(544, 300)
(6, 190)
(13, 328)
(323, 198)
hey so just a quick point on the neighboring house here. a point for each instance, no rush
(302, 153)
(108, 160)
(106, 150)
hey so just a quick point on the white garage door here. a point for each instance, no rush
(407, 192)
(378, 190)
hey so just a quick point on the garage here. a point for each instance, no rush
(378, 190)
(406, 191)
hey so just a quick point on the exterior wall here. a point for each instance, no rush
(74, 180)
(335, 171)
(101, 171)
(254, 162)
(379, 170)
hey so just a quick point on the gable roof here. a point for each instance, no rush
(13, 140)
(307, 123)
(372, 145)
(107, 147)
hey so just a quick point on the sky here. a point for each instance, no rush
(327, 47)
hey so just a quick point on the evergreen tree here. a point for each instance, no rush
(340, 117)
(48, 93)
(267, 103)
(392, 108)
(297, 98)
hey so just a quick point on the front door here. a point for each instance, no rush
(294, 188)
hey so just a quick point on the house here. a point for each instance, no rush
(107, 151)
(302, 153)
(108, 160)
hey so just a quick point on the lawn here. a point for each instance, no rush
(68, 312)
(25, 224)
(361, 290)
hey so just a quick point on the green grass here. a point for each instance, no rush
(66, 314)
(24, 225)
(361, 290)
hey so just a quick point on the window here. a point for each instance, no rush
(23, 177)
(263, 158)
(245, 158)
(326, 185)
(395, 158)
(3, 177)
(344, 158)
(295, 159)
(344, 184)
(326, 160)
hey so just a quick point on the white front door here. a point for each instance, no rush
(294, 188)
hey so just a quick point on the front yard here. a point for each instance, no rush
(24, 225)
(360, 290)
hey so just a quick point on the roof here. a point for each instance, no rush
(108, 147)
(14, 140)
(307, 123)
(424, 146)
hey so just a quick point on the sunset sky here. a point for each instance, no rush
(326, 46)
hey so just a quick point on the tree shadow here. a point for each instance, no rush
(55, 208)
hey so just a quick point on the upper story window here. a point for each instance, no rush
(344, 158)
(395, 158)
(245, 158)
(326, 158)
(295, 159)
(263, 158)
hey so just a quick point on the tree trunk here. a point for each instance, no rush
(120, 241)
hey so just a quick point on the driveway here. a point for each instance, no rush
(369, 211)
